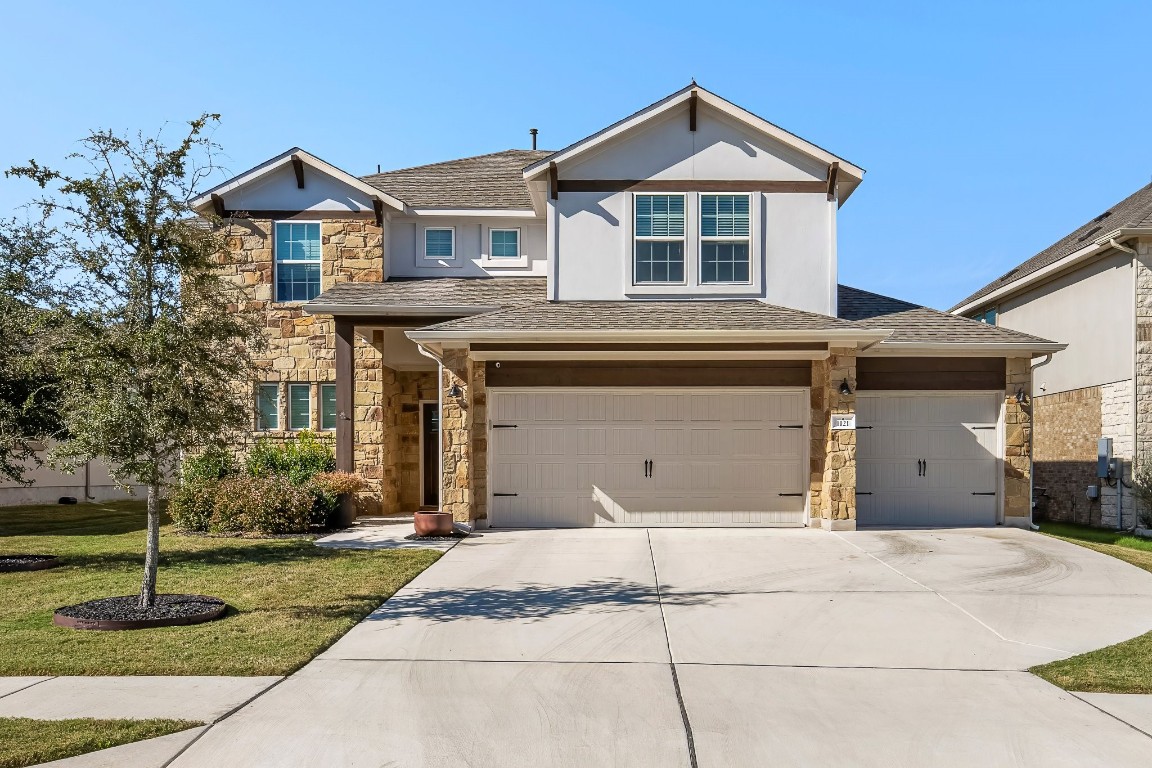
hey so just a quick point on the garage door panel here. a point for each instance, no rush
(718, 457)
(956, 438)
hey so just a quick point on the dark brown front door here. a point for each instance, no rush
(430, 449)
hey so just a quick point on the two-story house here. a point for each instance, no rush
(644, 328)
(1092, 289)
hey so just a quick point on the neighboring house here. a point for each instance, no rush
(1093, 290)
(88, 482)
(644, 328)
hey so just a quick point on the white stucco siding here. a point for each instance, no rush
(1090, 310)
(593, 247)
(48, 485)
(719, 149)
(799, 252)
(405, 247)
(277, 191)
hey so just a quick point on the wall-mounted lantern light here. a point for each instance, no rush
(454, 390)
(844, 388)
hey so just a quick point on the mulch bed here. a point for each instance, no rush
(455, 536)
(27, 562)
(124, 612)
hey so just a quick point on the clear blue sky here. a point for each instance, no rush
(988, 129)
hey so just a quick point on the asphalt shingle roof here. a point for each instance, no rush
(642, 315)
(438, 291)
(1133, 211)
(484, 181)
(914, 323)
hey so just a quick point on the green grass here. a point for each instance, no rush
(1122, 668)
(30, 742)
(288, 599)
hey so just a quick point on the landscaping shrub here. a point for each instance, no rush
(191, 502)
(299, 457)
(261, 504)
(326, 488)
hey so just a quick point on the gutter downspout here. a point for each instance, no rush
(1032, 441)
(1135, 419)
(439, 419)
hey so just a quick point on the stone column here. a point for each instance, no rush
(832, 486)
(1017, 444)
(456, 495)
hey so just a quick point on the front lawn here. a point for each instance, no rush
(31, 742)
(288, 599)
(1122, 668)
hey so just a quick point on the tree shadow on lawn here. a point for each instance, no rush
(531, 602)
(272, 553)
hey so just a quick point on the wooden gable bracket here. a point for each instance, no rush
(553, 181)
(833, 172)
(298, 168)
(378, 209)
(692, 99)
(218, 206)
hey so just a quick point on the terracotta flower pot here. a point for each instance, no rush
(432, 523)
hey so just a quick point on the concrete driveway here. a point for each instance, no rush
(710, 647)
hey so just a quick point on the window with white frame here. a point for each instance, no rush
(327, 407)
(299, 406)
(504, 243)
(440, 243)
(297, 260)
(658, 234)
(725, 238)
(268, 407)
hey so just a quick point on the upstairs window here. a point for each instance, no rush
(439, 243)
(268, 407)
(505, 243)
(297, 260)
(725, 232)
(985, 316)
(659, 239)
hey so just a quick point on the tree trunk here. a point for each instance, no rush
(152, 554)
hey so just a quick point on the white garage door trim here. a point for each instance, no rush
(998, 431)
(792, 512)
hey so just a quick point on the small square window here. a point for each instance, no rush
(299, 406)
(505, 243)
(328, 407)
(439, 243)
(268, 407)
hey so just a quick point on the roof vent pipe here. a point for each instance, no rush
(533, 131)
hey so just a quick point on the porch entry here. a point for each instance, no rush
(430, 454)
(641, 456)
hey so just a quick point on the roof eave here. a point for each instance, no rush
(972, 348)
(404, 310)
(832, 336)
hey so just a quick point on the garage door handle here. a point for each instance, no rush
(790, 494)
(863, 493)
(791, 426)
(983, 493)
(983, 427)
(505, 494)
(505, 426)
(859, 428)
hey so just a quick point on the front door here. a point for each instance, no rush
(430, 454)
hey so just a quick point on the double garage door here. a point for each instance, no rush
(730, 457)
(585, 457)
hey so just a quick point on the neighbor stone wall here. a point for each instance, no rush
(1067, 426)
(1116, 423)
(832, 455)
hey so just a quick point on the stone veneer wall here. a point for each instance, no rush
(1067, 427)
(832, 455)
(301, 349)
(1017, 440)
(456, 430)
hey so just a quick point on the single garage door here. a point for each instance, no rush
(927, 459)
(584, 457)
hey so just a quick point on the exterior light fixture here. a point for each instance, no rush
(844, 388)
(1021, 398)
(454, 390)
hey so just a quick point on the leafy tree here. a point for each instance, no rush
(151, 344)
(28, 414)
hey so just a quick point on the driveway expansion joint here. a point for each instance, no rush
(30, 685)
(209, 726)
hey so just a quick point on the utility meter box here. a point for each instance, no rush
(1104, 457)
